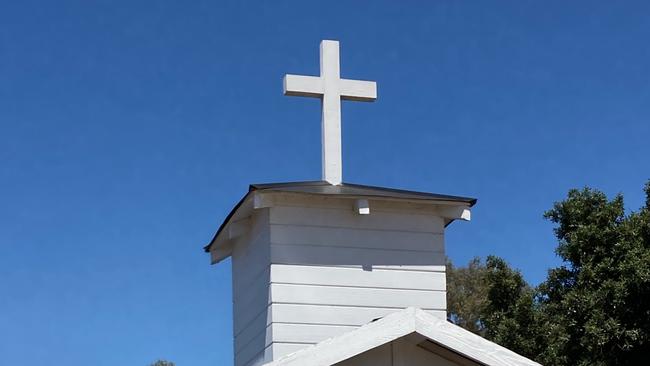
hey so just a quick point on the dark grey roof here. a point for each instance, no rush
(356, 190)
(342, 190)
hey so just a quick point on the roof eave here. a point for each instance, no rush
(426, 198)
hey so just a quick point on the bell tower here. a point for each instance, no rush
(314, 260)
(311, 261)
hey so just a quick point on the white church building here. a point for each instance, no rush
(330, 273)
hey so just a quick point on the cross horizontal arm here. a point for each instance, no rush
(358, 90)
(303, 86)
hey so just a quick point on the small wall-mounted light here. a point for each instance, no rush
(362, 207)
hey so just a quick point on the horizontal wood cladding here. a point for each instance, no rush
(244, 313)
(306, 273)
(347, 218)
(250, 266)
(256, 296)
(356, 238)
(276, 350)
(250, 257)
(304, 333)
(344, 256)
(251, 252)
(313, 329)
(357, 277)
(251, 332)
(296, 335)
(356, 296)
(242, 287)
(304, 323)
(257, 359)
(315, 315)
(333, 315)
(272, 352)
(346, 203)
(251, 350)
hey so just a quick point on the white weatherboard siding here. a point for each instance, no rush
(346, 256)
(250, 267)
(306, 274)
(409, 337)
(355, 296)
(333, 315)
(334, 270)
(356, 238)
(345, 217)
(251, 254)
(353, 277)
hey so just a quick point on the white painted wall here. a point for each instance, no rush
(312, 269)
(250, 267)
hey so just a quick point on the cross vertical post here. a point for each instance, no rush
(332, 156)
(330, 88)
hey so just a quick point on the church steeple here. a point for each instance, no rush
(314, 260)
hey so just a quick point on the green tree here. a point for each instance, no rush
(511, 314)
(493, 300)
(596, 306)
(594, 309)
(467, 295)
(162, 363)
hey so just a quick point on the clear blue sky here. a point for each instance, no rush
(129, 129)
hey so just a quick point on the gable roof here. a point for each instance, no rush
(400, 324)
(344, 190)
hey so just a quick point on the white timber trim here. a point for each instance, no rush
(221, 250)
(384, 204)
(263, 200)
(456, 213)
(398, 325)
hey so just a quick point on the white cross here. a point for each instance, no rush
(331, 89)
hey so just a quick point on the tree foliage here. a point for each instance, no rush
(594, 309)
(597, 304)
(162, 363)
(467, 295)
(510, 315)
(493, 300)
